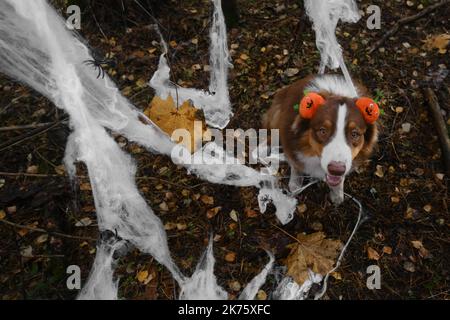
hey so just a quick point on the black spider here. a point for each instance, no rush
(100, 64)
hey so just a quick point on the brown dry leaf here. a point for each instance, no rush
(387, 250)
(2, 214)
(250, 213)
(166, 116)
(372, 254)
(207, 199)
(230, 257)
(423, 252)
(312, 252)
(211, 213)
(439, 42)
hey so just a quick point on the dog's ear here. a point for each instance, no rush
(309, 104)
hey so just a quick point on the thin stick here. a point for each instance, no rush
(57, 234)
(407, 20)
(30, 135)
(26, 126)
(441, 126)
(41, 175)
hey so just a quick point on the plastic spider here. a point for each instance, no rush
(100, 64)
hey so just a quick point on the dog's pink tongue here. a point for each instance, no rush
(333, 180)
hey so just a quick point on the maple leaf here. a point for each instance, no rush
(168, 118)
(312, 252)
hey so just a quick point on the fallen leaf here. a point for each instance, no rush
(230, 257)
(181, 226)
(211, 213)
(302, 208)
(261, 295)
(33, 169)
(372, 254)
(42, 238)
(387, 250)
(312, 252)
(163, 206)
(168, 118)
(250, 213)
(2, 214)
(379, 171)
(439, 42)
(235, 285)
(84, 222)
(233, 215)
(427, 208)
(423, 252)
(170, 226)
(290, 72)
(142, 276)
(26, 251)
(61, 169)
(207, 199)
(244, 56)
(86, 186)
(409, 266)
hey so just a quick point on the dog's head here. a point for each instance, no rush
(339, 130)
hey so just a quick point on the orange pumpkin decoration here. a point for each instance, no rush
(309, 104)
(369, 109)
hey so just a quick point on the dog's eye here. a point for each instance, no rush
(355, 135)
(322, 131)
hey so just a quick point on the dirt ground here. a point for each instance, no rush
(403, 187)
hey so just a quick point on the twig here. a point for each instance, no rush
(42, 175)
(440, 125)
(407, 20)
(26, 126)
(29, 135)
(57, 234)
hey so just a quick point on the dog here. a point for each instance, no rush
(325, 130)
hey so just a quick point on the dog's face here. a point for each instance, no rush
(338, 134)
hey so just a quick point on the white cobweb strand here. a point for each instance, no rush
(325, 15)
(253, 287)
(202, 285)
(215, 103)
(101, 284)
(288, 289)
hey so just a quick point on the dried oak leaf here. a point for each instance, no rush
(439, 42)
(312, 252)
(168, 118)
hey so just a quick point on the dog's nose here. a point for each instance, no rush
(336, 168)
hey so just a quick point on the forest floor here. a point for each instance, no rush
(403, 188)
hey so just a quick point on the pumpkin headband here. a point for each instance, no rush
(312, 101)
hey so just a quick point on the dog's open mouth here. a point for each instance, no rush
(333, 181)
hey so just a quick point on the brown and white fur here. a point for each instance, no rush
(329, 145)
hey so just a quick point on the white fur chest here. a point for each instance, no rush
(311, 166)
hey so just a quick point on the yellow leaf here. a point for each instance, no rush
(312, 252)
(142, 276)
(168, 118)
